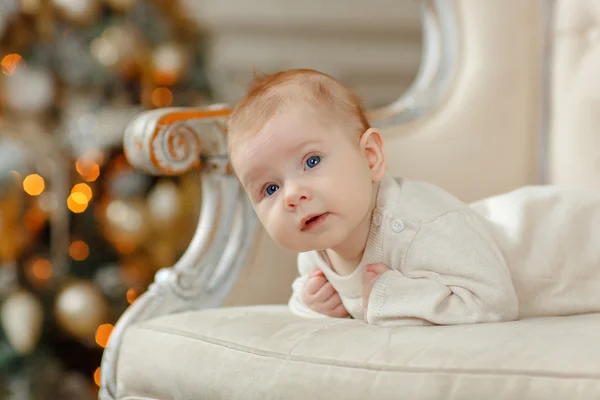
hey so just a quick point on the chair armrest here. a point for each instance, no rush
(170, 142)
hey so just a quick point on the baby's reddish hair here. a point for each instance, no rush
(270, 94)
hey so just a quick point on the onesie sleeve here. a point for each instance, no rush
(295, 303)
(452, 273)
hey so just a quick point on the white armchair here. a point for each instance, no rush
(498, 104)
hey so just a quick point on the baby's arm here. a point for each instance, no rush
(453, 273)
(313, 296)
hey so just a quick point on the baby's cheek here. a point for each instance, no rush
(274, 226)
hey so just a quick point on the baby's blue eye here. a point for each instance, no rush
(269, 190)
(312, 161)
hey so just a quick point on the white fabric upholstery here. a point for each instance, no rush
(575, 88)
(263, 353)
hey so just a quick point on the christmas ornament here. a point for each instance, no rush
(126, 223)
(170, 63)
(90, 127)
(80, 308)
(29, 89)
(120, 48)
(78, 11)
(164, 203)
(22, 317)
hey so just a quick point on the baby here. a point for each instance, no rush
(397, 251)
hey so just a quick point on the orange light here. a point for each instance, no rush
(79, 250)
(97, 376)
(165, 78)
(132, 295)
(162, 97)
(77, 202)
(41, 269)
(103, 334)
(89, 170)
(10, 63)
(125, 247)
(84, 189)
(34, 185)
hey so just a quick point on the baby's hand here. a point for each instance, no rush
(320, 296)
(373, 271)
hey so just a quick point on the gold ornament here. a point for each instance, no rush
(126, 224)
(22, 317)
(29, 90)
(120, 47)
(80, 308)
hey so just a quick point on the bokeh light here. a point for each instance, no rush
(34, 185)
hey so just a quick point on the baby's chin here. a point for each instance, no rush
(300, 246)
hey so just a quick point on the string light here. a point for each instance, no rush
(41, 269)
(84, 189)
(103, 334)
(79, 250)
(132, 295)
(10, 63)
(34, 185)
(77, 202)
(89, 170)
(162, 97)
(97, 376)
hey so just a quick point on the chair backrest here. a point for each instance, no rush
(573, 87)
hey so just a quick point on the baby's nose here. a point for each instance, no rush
(295, 196)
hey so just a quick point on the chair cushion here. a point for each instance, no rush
(265, 352)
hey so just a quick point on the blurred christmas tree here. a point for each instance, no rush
(81, 232)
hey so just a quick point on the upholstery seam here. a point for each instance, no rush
(371, 367)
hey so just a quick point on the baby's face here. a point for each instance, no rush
(309, 182)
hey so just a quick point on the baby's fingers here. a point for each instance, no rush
(314, 284)
(333, 301)
(325, 293)
(339, 311)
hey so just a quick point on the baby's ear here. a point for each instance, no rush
(371, 144)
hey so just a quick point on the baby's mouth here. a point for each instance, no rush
(312, 221)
